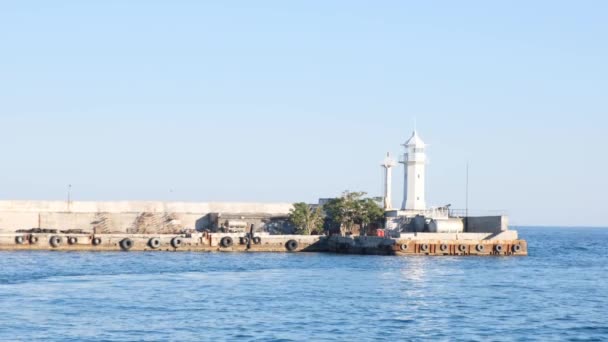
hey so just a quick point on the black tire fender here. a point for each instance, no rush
(257, 240)
(96, 241)
(154, 243)
(480, 248)
(244, 240)
(19, 240)
(176, 242)
(462, 248)
(424, 247)
(55, 241)
(126, 244)
(72, 240)
(443, 247)
(516, 248)
(226, 242)
(498, 248)
(33, 239)
(403, 246)
(291, 245)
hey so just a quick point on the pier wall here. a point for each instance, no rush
(125, 216)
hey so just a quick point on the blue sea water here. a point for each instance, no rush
(558, 292)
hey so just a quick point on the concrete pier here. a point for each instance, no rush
(419, 244)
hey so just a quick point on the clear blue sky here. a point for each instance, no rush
(289, 101)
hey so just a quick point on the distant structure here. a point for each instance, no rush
(414, 162)
(388, 164)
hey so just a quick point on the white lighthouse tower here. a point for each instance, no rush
(414, 161)
(388, 165)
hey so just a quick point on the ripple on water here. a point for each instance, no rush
(559, 292)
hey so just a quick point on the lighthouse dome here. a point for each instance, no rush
(415, 141)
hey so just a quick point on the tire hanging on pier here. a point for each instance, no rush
(126, 244)
(154, 243)
(443, 247)
(291, 245)
(19, 240)
(424, 247)
(480, 248)
(96, 241)
(462, 248)
(55, 241)
(498, 248)
(72, 240)
(176, 242)
(33, 239)
(257, 240)
(403, 246)
(226, 242)
(516, 248)
(243, 240)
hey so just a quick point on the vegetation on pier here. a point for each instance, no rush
(346, 214)
(306, 219)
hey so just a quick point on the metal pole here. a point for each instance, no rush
(69, 195)
(466, 213)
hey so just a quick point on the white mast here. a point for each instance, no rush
(388, 164)
(414, 161)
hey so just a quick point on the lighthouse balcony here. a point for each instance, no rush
(412, 158)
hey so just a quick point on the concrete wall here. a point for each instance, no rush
(486, 224)
(123, 217)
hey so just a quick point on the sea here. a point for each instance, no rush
(558, 293)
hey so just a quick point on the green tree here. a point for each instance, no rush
(306, 219)
(352, 209)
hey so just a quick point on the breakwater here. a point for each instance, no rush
(504, 244)
(181, 226)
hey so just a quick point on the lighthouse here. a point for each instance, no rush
(414, 162)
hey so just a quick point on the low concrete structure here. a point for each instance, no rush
(485, 224)
(131, 216)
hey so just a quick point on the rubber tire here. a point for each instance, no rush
(443, 247)
(154, 243)
(498, 248)
(126, 244)
(291, 245)
(424, 247)
(72, 240)
(20, 240)
(480, 248)
(257, 240)
(55, 241)
(244, 240)
(462, 248)
(96, 241)
(403, 247)
(226, 242)
(176, 242)
(516, 248)
(33, 239)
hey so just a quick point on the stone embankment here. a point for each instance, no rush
(503, 244)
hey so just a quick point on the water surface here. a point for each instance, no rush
(559, 292)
